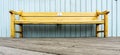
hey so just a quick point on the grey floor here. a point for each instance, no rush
(14, 51)
(60, 46)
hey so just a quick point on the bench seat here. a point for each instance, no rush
(59, 22)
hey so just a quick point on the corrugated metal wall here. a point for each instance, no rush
(60, 6)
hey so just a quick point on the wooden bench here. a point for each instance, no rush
(58, 18)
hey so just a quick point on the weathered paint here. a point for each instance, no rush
(59, 6)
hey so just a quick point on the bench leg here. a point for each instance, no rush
(105, 31)
(97, 30)
(21, 31)
(106, 26)
(12, 31)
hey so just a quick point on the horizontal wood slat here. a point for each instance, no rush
(34, 14)
(39, 14)
(59, 22)
(84, 14)
(59, 18)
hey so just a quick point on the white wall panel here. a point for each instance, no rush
(109, 7)
(114, 18)
(118, 18)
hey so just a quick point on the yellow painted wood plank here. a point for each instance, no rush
(58, 22)
(87, 14)
(58, 18)
(84, 14)
(39, 14)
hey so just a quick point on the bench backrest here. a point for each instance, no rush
(58, 16)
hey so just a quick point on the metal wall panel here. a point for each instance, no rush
(59, 6)
(118, 18)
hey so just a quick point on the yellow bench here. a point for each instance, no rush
(58, 18)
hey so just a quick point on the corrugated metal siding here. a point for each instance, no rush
(60, 6)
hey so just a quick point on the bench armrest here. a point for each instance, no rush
(105, 13)
(102, 13)
(15, 12)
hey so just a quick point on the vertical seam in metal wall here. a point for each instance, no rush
(9, 20)
(60, 25)
(5, 23)
(60, 6)
(80, 24)
(49, 6)
(70, 24)
(116, 19)
(34, 25)
(26, 25)
(55, 11)
(18, 8)
(39, 5)
(49, 25)
(3, 14)
(37, 26)
(86, 24)
(25, 33)
(93, 24)
(29, 26)
(65, 11)
(44, 10)
(45, 5)
(101, 16)
(75, 25)
(96, 9)
(23, 26)
(2, 18)
(112, 18)
(46, 25)
(108, 18)
(39, 33)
